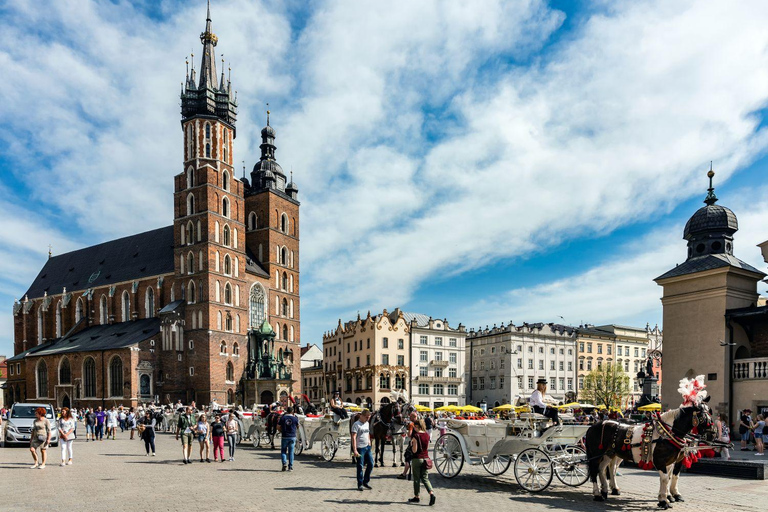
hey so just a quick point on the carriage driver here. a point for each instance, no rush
(337, 405)
(537, 401)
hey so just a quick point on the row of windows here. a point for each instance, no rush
(620, 350)
(114, 377)
(385, 382)
(437, 372)
(208, 145)
(223, 349)
(519, 350)
(191, 235)
(452, 342)
(286, 226)
(231, 266)
(284, 282)
(600, 364)
(480, 383)
(438, 389)
(452, 356)
(225, 211)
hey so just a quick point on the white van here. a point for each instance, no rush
(18, 426)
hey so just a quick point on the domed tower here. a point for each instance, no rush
(699, 295)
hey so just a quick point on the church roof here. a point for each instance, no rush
(125, 259)
(708, 262)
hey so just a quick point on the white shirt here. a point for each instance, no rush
(537, 399)
(362, 431)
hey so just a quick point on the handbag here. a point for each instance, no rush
(427, 461)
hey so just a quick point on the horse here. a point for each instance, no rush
(386, 422)
(664, 440)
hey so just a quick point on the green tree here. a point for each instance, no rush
(607, 386)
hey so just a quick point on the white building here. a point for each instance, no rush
(311, 356)
(437, 361)
(504, 363)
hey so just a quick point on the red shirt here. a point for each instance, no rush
(422, 445)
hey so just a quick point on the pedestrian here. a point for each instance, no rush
(217, 438)
(429, 422)
(287, 426)
(745, 426)
(724, 435)
(202, 432)
(89, 418)
(121, 416)
(408, 455)
(185, 428)
(759, 433)
(130, 421)
(232, 429)
(420, 448)
(147, 432)
(361, 442)
(40, 437)
(101, 418)
(66, 425)
(112, 421)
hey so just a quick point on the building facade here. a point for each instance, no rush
(437, 361)
(165, 315)
(367, 359)
(504, 363)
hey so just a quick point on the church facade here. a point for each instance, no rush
(172, 314)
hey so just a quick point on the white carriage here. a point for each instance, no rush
(538, 449)
(330, 431)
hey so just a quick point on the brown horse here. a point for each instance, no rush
(386, 422)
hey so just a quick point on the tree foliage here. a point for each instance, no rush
(607, 386)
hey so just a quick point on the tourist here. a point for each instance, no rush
(112, 421)
(101, 423)
(287, 426)
(66, 425)
(201, 431)
(40, 437)
(217, 437)
(337, 406)
(185, 428)
(420, 448)
(121, 417)
(89, 419)
(147, 432)
(361, 442)
(745, 426)
(724, 435)
(130, 421)
(759, 433)
(232, 429)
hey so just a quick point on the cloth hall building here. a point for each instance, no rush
(165, 315)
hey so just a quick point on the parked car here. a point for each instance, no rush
(18, 427)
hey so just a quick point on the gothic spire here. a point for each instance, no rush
(208, 65)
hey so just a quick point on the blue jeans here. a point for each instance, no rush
(286, 450)
(367, 459)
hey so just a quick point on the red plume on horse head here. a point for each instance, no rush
(692, 390)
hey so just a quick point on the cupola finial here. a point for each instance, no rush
(267, 114)
(711, 197)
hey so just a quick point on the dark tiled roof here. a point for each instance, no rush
(125, 259)
(709, 218)
(708, 262)
(22, 355)
(103, 337)
(171, 306)
(252, 265)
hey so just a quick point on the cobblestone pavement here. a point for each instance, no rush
(111, 475)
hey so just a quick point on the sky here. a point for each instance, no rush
(484, 162)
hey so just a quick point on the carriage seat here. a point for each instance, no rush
(533, 416)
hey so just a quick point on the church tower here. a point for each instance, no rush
(209, 233)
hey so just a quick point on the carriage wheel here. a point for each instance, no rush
(328, 447)
(447, 455)
(533, 470)
(497, 464)
(265, 439)
(299, 446)
(256, 439)
(570, 466)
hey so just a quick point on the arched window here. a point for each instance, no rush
(225, 207)
(40, 324)
(42, 379)
(190, 263)
(190, 141)
(207, 131)
(293, 225)
(230, 372)
(234, 238)
(290, 309)
(58, 319)
(126, 306)
(216, 232)
(218, 320)
(277, 330)
(190, 233)
(284, 256)
(237, 323)
(225, 181)
(227, 263)
(190, 177)
(284, 223)
(103, 315)
(191, 293)
(290, 285)
(226, 147)
(217, 261)
(65, 372)
(116, 376)
(284, 310)
(237, 295)
(236, 349)
(89, 377)
(200, 260)
(190, 204)
(285, 332)
(257, 299)
(253, 221)
(207, 150)
(226, 238)
(291, 338)
(229, 322)
(285, 281)
(181, 263)
(149, 302)
(199, 231)
(237, 267)
(228, 294)
(79, 309)
(218, 292)
(223, 348)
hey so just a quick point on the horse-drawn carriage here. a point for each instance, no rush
(538, 449)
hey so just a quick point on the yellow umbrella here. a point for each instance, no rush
(505, 407)
(572, 405)
(448, 408)
(522, 408)
(354, 409)
(650, 407)
(422, 408)
(471, 408)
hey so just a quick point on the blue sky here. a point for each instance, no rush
(488, 162)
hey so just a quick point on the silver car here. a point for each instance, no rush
(18, 426)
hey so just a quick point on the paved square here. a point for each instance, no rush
(113, 475)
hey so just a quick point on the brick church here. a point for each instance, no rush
(166, 315)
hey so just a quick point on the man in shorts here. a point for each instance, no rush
(185, 428)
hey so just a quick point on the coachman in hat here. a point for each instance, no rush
(337, 405)
(537, 401)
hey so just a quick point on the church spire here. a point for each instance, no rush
(208, 65)
(711, 197)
